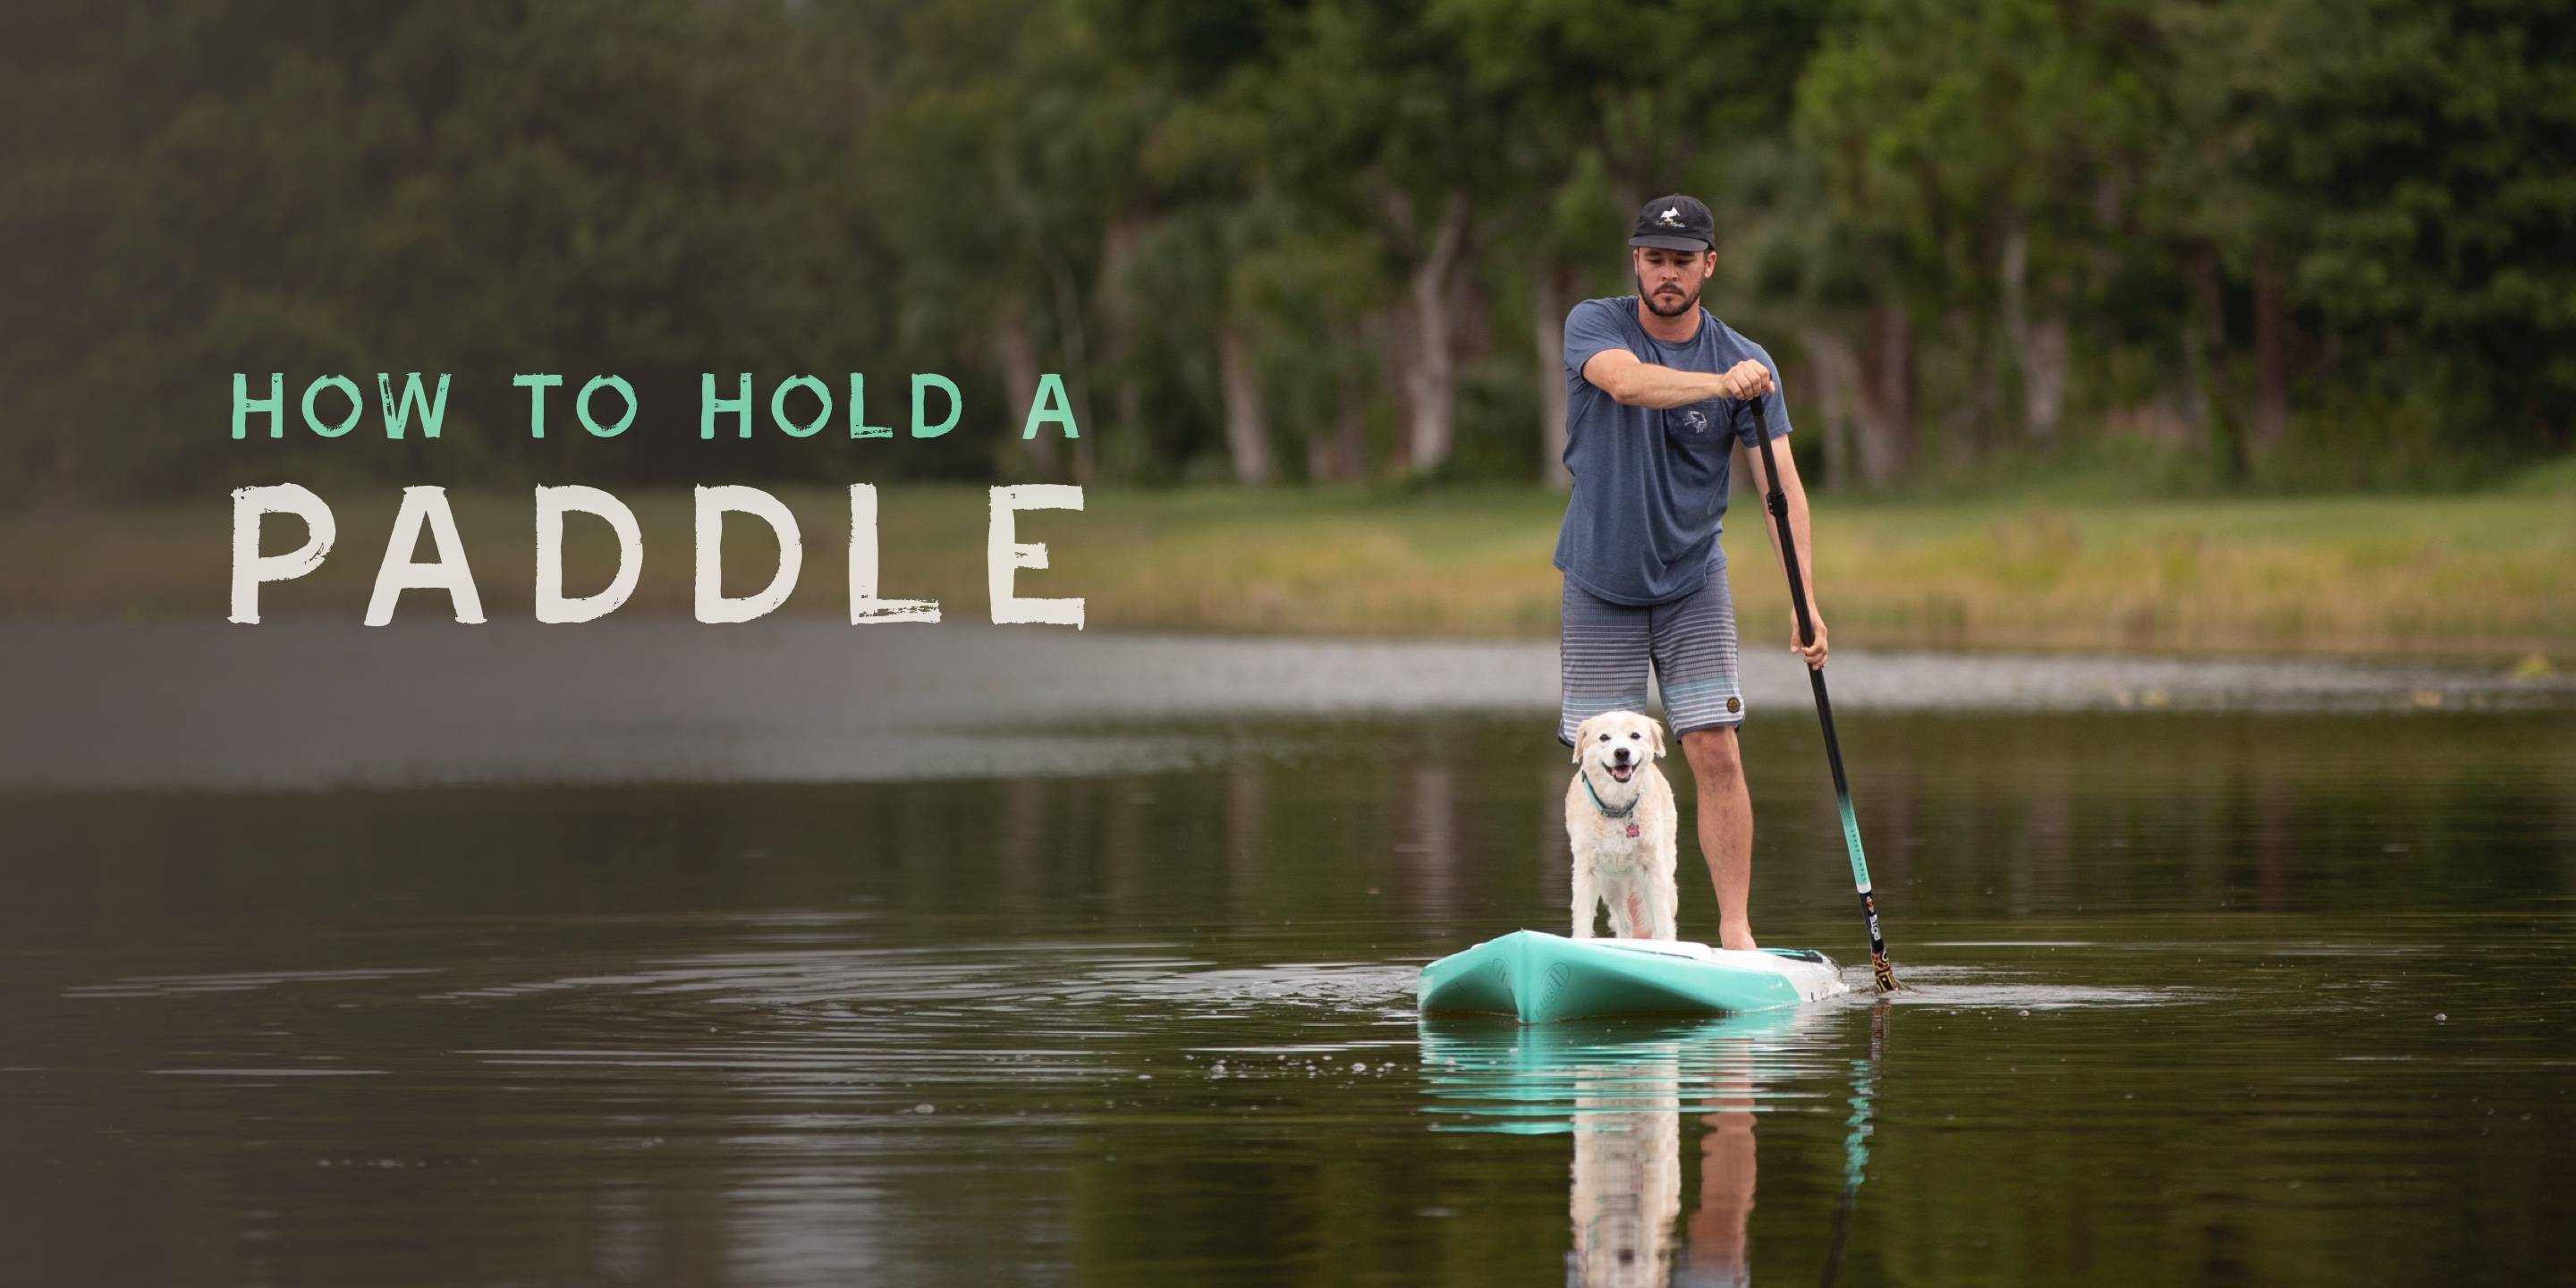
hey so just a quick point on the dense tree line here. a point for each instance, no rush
(2326, 242)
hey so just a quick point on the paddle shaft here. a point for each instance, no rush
(1777, 500)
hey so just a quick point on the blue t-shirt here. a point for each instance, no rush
(1650, 484)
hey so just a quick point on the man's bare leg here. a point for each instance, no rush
(1725, 829)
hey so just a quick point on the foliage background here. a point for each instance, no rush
(2305, 244)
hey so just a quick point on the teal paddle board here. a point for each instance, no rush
(1536, 978)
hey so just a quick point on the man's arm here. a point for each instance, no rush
(1637, 383)
(1747, 459)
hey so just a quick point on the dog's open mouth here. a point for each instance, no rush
(1623, 772)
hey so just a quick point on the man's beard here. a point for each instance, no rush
(1655, 303)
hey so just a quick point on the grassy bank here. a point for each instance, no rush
(2491, 575)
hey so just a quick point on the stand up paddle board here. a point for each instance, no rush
(1536, 977)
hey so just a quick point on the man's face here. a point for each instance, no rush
(1669, 281)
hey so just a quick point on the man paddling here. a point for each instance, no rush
(1658, 407)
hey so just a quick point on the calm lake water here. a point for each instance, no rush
(2201, 997)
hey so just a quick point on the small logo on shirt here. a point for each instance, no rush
(1697, 420)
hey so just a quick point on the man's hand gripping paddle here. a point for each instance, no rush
(1777, 501)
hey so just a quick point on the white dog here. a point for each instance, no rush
(1620, 818)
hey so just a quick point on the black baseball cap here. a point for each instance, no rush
(1675, 223)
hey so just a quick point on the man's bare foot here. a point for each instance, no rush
(1736, 938)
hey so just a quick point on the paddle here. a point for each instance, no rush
(1778, 502)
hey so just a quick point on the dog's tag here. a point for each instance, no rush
(1632, 829)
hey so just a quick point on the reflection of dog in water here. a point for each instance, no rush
(1627, 1175)
(1620, 821)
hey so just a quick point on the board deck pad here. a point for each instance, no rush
(1536, 977)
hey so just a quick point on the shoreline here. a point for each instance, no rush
(307, 706)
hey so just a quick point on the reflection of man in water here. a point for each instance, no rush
(1716, 1255)
(1659, 408)
(1628, 1179)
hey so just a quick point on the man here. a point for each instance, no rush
(1658, 407)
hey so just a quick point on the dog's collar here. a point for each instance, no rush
(1606, 811)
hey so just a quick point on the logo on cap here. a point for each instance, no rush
(1674, 222)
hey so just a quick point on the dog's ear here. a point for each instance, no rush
(1579, 735)
(1658, 727)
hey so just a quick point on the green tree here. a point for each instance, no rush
(2396, 181)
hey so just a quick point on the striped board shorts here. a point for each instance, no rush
(1603, 650)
